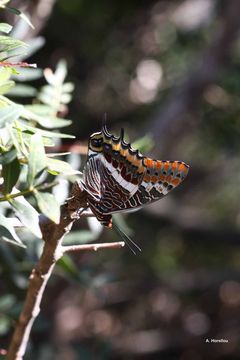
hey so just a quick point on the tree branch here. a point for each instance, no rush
(53, 250)
(53, 235)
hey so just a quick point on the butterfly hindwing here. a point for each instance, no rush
(159, 179)
(118, 178)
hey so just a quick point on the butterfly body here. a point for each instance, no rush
(118, 178)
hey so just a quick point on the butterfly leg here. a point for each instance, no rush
(78, 197)
(104, 219)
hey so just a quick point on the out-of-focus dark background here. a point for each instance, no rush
(169, 73)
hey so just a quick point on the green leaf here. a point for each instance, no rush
(48, 205)
(10, 173)
(7, 232)
(37, 158)
(68, 87)
(68, 266)
(8, 156)
(66, 98)
(14, 71)
(5, 28)
(144, 144)
(45, 133)
(43, 115)
(28, 74)
(5, 73)
(53, 122)
(27, 215)
(39, 109)
(9, 44)
(10, 113)
(47, 98)
(15, 140)
(8, 85)
(22, 90)
(46, 141)
(56, 167)
(56, 93)
(61, 72)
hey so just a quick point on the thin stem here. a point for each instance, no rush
(20, 64)
(93, 247)
(28, 191)
(53, 235)
(12, 196)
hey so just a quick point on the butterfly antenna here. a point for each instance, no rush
(104, 120)
(122, 134)
(104, 125)
(130, 243)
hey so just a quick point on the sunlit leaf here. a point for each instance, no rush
(65, 98)
(53, 122)
(46, 141)
(56, 94)
(39, 109)
(46, 133)
(61, 71)
(21, 90)
(43, 115)
(9, 44)
(6, 87)
(60, 167)
(28, 74)
(5, 73)
(5, 28)
(47, 98)
(7, 232)
(68, 87)
(10, 113)
(37, 158)
(8, 156)
(10, 174)
(14, 137)
(48, 205)
(27, 214)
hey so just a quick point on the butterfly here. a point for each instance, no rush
(118, 178)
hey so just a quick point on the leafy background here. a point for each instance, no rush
(133, 61)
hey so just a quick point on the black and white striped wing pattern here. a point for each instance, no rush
(118, 178)
(106, 195)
